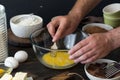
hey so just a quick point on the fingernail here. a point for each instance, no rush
(69, 52)
(53, 40)
(70, 57)
(82, 62)
(75, 61)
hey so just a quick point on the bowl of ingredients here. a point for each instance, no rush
(53, 55)
(4, 69)
(96, 70)
(95, 28)
(25, 24)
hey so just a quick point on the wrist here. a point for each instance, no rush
(76, 15)
(112, 40)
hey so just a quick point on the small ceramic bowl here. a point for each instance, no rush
(94, 28)
(112, 10)
(111, 14)
(25, 24)
(4, 69)
(92, 77)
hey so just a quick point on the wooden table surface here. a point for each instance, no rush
(39, 72)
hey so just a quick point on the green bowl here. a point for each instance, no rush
(114, 22)
(112, 10)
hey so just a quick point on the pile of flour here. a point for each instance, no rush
(28, 21)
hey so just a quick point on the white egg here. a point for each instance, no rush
(11, 62)
(21, 56)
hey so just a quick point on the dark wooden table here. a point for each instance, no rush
(39, 72)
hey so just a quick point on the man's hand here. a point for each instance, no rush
(93, 47)
(61, 26)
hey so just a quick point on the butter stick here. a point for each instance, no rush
(20, 76)
(6, 76)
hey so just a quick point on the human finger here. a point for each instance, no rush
(52, 27)
(91, 59)
(95, 57)
(60, 31)
(81, 51)
(78, 46)
(85, 56)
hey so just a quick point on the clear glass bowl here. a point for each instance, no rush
(53, 58)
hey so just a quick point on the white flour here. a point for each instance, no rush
(27, 21)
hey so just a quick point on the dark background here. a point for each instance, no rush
(46, 8)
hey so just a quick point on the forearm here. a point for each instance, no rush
(114, 37)
(82, 7)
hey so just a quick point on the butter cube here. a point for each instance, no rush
(6, 77)
(20, 76)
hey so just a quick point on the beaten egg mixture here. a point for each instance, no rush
(61, 59)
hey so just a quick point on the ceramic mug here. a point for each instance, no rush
(111, 14)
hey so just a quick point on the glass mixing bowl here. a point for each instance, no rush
(55, 58)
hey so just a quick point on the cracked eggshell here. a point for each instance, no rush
(21, 56)
(11, 62)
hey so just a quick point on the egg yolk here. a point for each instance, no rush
(61, 59)
(1, 72)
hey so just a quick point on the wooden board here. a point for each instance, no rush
(17, 41)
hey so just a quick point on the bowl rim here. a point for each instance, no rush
(16, 17)
(102, 25)
(110, 5)
(101, 60)
(32, 36)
